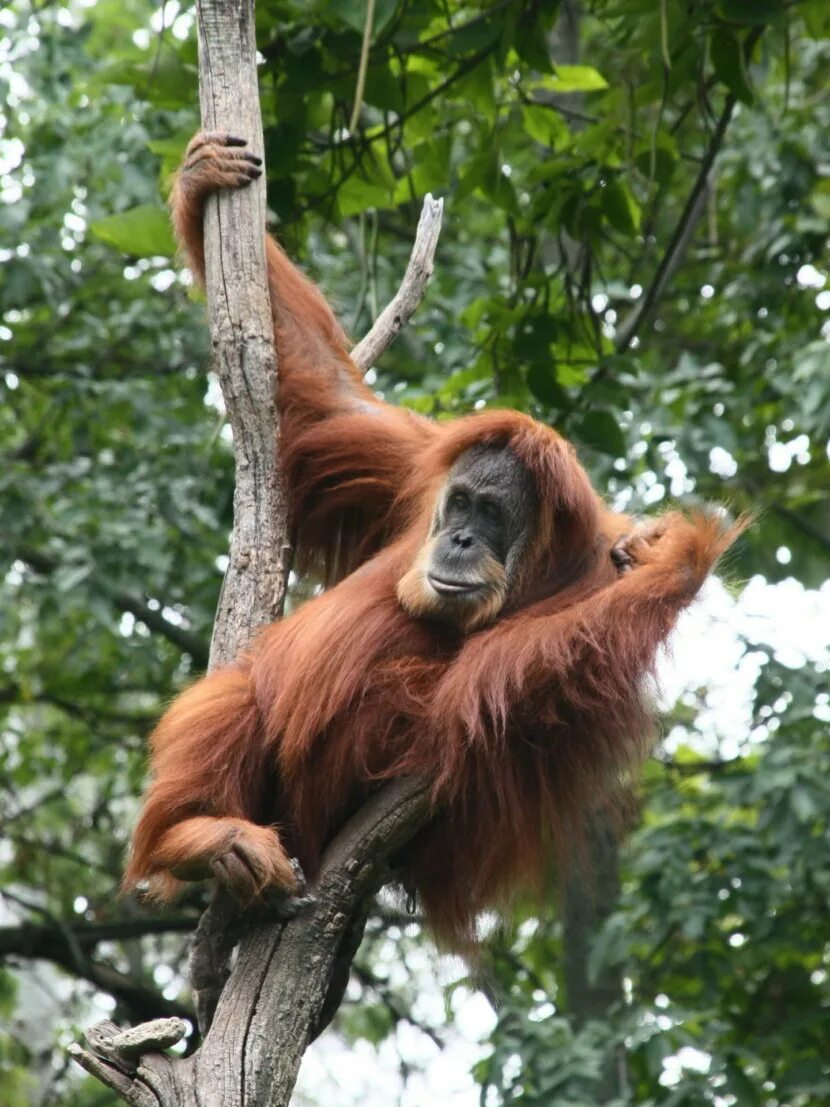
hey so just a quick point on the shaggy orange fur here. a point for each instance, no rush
(524, 726)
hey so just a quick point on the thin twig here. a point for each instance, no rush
(398, 312)
(693, 209)
(362, 66)
(683, 231)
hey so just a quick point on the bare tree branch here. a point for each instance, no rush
(242, 336)
(398, 312)
(271, 1005)
(69, 944)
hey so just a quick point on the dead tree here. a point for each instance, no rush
(259, 1016)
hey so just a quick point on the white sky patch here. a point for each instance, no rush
(10, 191)
(677, 474)
(11, 155)
(720, 647)
(361, 1076)
(780, 455)
(810, 277)
(182, 26)
(163, 280)
(686, 1059)
(164, 17)
(19, 88)
(74, 223)
(213, 396)
(722, 463)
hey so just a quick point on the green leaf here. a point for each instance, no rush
(354, 14)
(752, 11)
(620, 208)
(657, 157)
(170, 149)
(164, 81)
(745, 1090)
(475, 172)
(531, 43)
(802, 804)
(546, 126)
(816, 16)
(142, 232)
(477, 35)
(601, 430)
(542, 382)
(500, 190)
(484, 173)
(356, 195)
(574, 78)
(729, 64)
(478, 88)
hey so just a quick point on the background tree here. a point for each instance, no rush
(638, 213)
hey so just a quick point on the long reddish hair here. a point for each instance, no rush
(524, 727)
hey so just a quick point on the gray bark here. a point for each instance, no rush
(241, 332)
(271, 1005)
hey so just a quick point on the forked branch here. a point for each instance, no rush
(271, 1006)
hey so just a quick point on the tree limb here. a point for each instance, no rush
(49, 942)
(399, 310)
(681, 236)
(242, 337)
(271, 1005)
(68, 944)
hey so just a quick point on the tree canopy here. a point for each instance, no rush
(637, 208)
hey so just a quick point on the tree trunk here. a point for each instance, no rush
(241, 331)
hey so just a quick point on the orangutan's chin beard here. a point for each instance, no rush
(470, 600)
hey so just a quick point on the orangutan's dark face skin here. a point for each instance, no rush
(483, 522)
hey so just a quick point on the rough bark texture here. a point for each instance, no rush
(271, 1007)
(242, 335)
(288, 977)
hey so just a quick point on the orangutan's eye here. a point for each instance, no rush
(491, 511)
